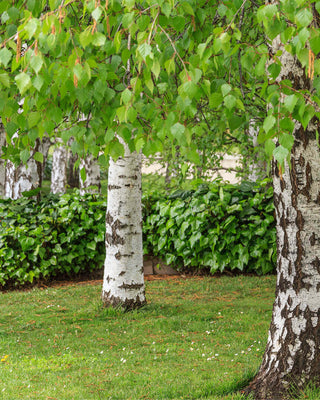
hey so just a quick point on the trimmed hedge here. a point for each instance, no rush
(216, 228)
(57, 236)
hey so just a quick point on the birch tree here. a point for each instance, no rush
(123, 282)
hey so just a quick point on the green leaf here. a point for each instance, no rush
(99, 39)
(36, 63)
(4, 79)
(315, 44)
(304, 17)
(126, 96)
(269, 123)
(290, 102)
(287, 124)
(215, 100)
(177, 130)
(23, 82)
(269, 147)
(145, 50)
(38, 157)
(286, 140)
(24, 155)
(156, 68)
(85, 38)
(37, 82)
(5, 56)
(274, 70)
(117, 41)
(230, 101)
(96, 14)
(83, 174)
(187, 8)
(225, 89)
(31, 27)
(280, 154)
(33, 118)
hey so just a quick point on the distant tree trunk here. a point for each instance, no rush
(72, 173)
(24, 177)
(59, 169)
(2, 162)
(292, 355)
(123, 282)
(44, 149)
(257, 166)
(92, 182)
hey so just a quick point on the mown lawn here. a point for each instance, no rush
(198, 338)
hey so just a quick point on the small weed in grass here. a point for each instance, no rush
(197, 338)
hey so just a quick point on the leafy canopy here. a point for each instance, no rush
(153, 71)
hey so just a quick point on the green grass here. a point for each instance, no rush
(198, 338)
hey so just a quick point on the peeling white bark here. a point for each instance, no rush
(92, 183)
(59, 169)
(123, 282)
(21, 179)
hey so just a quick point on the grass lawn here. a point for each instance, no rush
(198, 338)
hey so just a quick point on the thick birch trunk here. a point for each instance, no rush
(123, 282)
(292, 356)
(59, 170)
(23, 178)
(92, 183)
(2, 162)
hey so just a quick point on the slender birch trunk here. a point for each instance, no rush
(123, 282)
(59, 169)
(92, 182)
(257, 167)
(23, 178)
(2, 162)
(292, 355)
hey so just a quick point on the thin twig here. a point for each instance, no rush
(174, 48)
(234, 17)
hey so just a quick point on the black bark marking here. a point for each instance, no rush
(129, 304)
(115, 225)
(131, 286)
(313, 239)
(316, 264)
(111, 187)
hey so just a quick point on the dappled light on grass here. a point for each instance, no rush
(197, 338)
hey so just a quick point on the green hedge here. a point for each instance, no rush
(56, 237)
(217, 228)
(214, 228)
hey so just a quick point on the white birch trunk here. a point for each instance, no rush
(123, 282)
(292, 356)
(2, 162)
(257, 167)
(23, 178)
(92, 182)
(59, 169)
